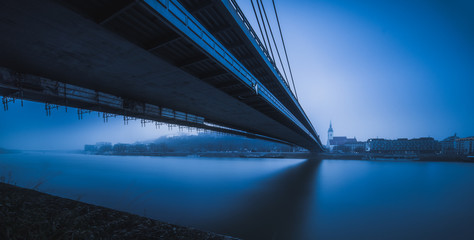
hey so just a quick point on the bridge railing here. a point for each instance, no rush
(181, 19)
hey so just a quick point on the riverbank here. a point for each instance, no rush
(28, 214)
(396, 157)
(446, 158)
(292, 155)
(307, 155)
(297, 155)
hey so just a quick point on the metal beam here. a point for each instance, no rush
(237, 92)
(226, 84)
(163, 42)
(119, 12)
(211, 75)
(219, 30)
(202, 8)
(192, 61)
(246, 57)
(235, 45)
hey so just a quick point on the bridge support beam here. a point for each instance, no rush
(14, 85)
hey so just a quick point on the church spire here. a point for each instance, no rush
(330, 133)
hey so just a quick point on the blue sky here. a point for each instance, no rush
(382, 68)
(375, 68)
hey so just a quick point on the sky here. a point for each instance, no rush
(385, 69)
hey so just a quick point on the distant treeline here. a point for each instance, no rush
(191, 144)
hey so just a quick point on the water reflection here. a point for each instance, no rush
(275, 207)
(265, 198)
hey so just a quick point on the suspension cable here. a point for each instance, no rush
(266, 33)
(274, 43)
(258, 21)
(284, 47)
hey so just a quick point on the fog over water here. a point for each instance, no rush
(265, 198)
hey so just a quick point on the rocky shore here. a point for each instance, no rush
(28, 214)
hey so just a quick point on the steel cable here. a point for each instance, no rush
(266, 33)
(284, 47)
(274, 43)
(258, 22)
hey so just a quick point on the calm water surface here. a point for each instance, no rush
(265, 198)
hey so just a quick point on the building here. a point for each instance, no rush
(448, 145)
(465, 146)
(356, 147)
(455, 145)
(343, 143)
(121, 148)
(426, 145)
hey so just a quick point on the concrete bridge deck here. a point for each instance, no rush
(129, 50)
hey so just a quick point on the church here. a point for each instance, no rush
(338, 141)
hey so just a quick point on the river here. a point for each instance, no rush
(265, 198)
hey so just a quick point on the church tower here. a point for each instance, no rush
(330, 134)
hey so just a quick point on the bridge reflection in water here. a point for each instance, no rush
(275, 207)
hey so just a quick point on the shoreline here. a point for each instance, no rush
(307, 155)
(299, 155)
(29, 214)
(284, 155)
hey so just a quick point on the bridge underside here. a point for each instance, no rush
(122, 49)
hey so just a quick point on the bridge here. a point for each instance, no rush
(194, 63)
